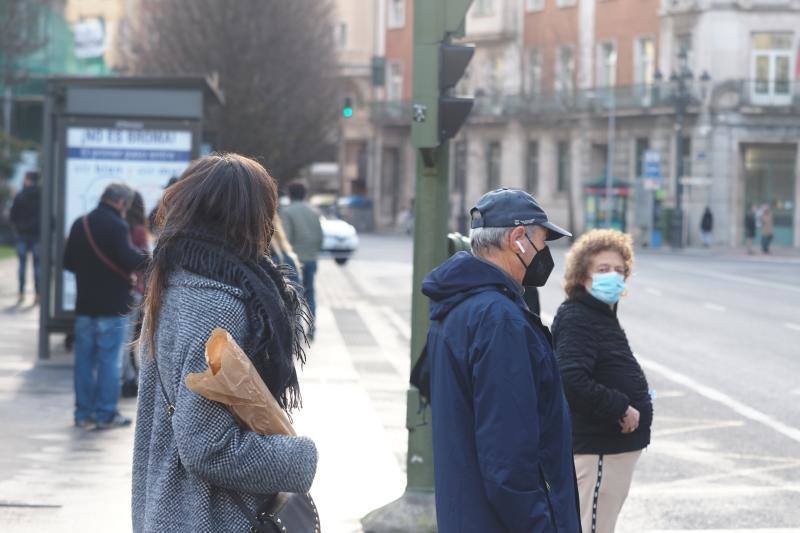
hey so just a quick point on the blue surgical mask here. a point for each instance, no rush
(608, 287)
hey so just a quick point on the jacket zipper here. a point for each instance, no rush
(549, 502)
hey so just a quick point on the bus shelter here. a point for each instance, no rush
(139, 131)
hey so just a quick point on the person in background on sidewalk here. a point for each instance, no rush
(501, 430)
(767, 228)
(25, 220)
(140, 237)
(282, 253)
(606, 388)
(194, 468)
(100, 253)
(304, 231)
(750, 228)
(707, 227)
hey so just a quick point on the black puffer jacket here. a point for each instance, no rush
(601, 377)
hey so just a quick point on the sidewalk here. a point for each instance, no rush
(56, 477)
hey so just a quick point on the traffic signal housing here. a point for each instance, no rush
(437, 115)
(347, 107)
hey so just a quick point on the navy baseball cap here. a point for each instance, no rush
(507, 208)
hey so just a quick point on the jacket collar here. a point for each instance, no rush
(511, 281)
(590, 301)
(102, 206)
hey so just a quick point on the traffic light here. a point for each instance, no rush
(347, 107)
(438, 65)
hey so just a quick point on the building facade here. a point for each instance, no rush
(657, 95)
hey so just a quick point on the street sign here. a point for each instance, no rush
(690, 181)
(652, 165)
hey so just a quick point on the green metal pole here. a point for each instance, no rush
(430, 250)
(415, 511)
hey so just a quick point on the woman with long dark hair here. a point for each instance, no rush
(193, 465)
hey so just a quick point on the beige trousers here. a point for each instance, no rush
(603, 484)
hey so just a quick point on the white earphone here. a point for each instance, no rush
(519, 245)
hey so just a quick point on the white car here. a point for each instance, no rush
(340, 239)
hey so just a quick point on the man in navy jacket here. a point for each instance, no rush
(102, 261)
(501, 428)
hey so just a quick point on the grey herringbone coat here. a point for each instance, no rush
(185, 467)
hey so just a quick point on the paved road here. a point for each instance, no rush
(719, 336)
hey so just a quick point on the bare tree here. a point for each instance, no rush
(275, 61)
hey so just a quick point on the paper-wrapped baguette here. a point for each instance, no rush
(232, 380)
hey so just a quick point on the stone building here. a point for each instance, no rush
(558, 81)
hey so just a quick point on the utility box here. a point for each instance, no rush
(138, 131)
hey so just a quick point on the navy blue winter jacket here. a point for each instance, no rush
(501, 429)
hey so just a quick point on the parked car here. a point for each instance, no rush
(340, 239)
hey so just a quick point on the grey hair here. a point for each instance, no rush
(483, 240)
(116, 192)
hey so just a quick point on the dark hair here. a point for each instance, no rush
(116, 192)
(136, 215)
(32, 176)
(297, 191)
(229, 195)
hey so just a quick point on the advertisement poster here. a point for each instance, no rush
(143, 159)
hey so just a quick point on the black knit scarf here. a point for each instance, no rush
(276, 311)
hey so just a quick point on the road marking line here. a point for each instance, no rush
(699, 427)
(732, 277)
(715, 307)
(762, 530)
(795, 327)
(397, 321)
(654, 292)
(720, 397)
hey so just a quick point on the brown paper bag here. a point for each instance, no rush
(231, 379)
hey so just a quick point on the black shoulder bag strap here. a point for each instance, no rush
(170, 405)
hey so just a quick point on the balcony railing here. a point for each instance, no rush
(661, 97)
(391, 112)
(769, 93)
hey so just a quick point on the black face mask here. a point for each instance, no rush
(537, 273)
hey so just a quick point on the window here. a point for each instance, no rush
(565, 69)
(494, 75)
(683, 46)
(532, 168)
(484, 8)
(341, 35)
(397, 14)
(566, 3)
(494, 155)
(772, 61)
(642, 146)
(686, 157)
(606, 65)
(534, 5)
(394, 86)
(644, 59)
(533, 76)
(460, 166)
(564, 165)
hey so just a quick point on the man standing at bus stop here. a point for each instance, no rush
(100, 253)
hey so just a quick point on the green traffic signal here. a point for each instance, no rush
(347, 108)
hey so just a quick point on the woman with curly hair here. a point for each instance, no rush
(606, 388)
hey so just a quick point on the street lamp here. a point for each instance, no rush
(682, 98)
